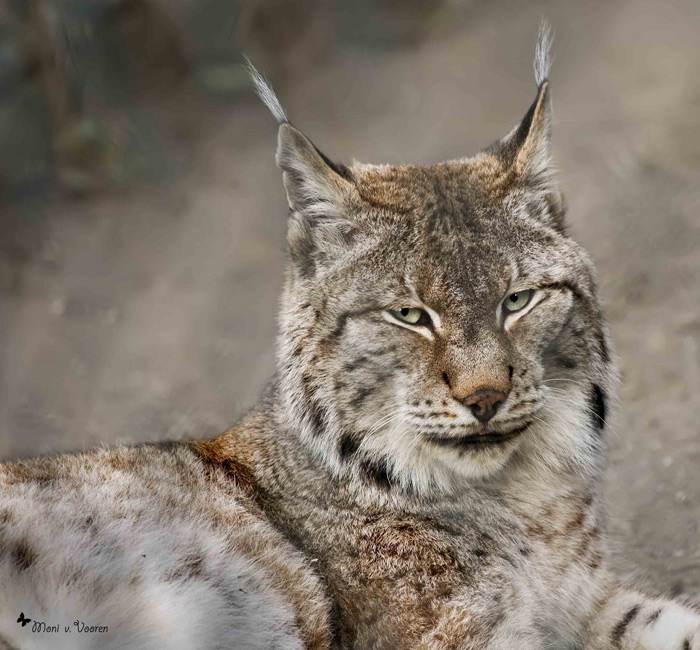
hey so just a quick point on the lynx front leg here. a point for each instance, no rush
(632, 621)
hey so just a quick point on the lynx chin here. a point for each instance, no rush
(425, 471)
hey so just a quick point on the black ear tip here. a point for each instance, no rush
(338, 168)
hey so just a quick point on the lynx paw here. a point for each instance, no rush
(672, 628)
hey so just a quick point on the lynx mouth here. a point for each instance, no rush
(477, 441)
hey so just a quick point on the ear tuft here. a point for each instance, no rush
(543, 58)
(264, 90)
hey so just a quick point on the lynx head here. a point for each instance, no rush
(438, 325)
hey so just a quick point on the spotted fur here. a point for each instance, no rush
(362, 504)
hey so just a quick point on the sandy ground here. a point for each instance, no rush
(150, 314)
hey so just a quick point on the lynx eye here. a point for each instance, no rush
(411, 315)
(517, 301)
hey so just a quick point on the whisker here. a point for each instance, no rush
(565, 398)
(385, 420)
(564, 379)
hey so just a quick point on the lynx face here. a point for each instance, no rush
(437, 323)
(426, 365)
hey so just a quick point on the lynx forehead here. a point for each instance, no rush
(436, 318)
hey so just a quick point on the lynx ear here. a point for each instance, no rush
(315, 186)
(318, 191)
(526, 150)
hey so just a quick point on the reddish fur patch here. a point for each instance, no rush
(215, 452)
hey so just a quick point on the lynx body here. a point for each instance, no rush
(425, 471)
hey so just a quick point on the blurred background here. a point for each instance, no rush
(142, 217)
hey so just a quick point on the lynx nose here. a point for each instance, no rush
(484, 403)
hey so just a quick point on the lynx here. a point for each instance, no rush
(424, 471)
